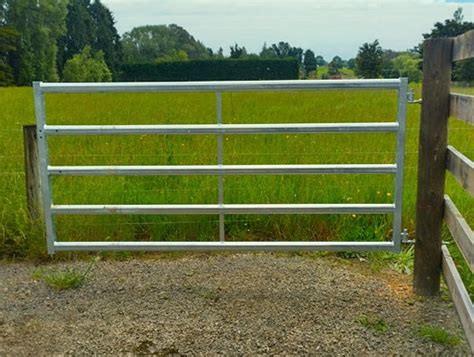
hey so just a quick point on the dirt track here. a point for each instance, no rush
(220, 304)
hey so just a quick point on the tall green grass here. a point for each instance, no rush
(20, 237)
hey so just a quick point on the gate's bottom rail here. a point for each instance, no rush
(226, 245)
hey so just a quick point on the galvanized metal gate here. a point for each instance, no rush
(221, 208)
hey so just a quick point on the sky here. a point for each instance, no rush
(328, 27)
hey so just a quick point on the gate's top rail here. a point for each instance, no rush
(221, 86)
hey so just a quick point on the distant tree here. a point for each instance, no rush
(451, 27)
(388, 70)
(237, 52)
(87, 67)
(80, 31)
(463, 71)
(282, 50)
(106, 37)
(369, 60)
(296, 52)
(351, 63)
(3, 12)
(146, 44)
(90, 24)
(267, 53)
(8, 45)
(40, 24)
(220, 53)
(320, 61)
(407, 66)
(173, 56)
(309, 62)
(335, 66)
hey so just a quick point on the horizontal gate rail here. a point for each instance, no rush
(462, 107)
(221, 86)
(461, 168)
(463, 46)
(219, 129)
(460, 230)
(176, 170)
(302, 128)
(459, 294)
(228, 245)
(299, 208)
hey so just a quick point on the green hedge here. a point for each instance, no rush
(209, 70)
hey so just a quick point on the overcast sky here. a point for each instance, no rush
(328, 27)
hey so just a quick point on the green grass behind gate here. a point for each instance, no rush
(20, 237)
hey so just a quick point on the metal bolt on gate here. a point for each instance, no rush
(50, 210)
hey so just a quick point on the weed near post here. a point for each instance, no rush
(438, 335)
(63, 280)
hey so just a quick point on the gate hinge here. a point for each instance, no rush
(411, 98)
(405, 239)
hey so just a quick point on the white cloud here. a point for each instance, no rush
(328, 27)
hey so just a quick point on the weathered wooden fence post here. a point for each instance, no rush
(437, 59)
(32, 179)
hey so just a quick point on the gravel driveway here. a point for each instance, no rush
(235, 304)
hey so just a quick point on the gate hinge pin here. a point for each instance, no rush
(411, 98)
(405, 239)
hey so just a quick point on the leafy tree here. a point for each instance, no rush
(282, 50)
(351, 63)
(220, 53)
(369, 60)
(451, 27)
(80, 31)
(335, 65)
(90, 24)
(146, 44)
(40, 24)
(3, 12)
(407, 66)
(174, 56)
(106, 37)
(87, 67)
(463, 71)
(296, 52)
(388, 70)
(309, 62)
(8, 43)
(320, 61)
(267, 53)
(237, 52)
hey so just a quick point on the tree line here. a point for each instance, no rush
(374, 62)
(76, 40)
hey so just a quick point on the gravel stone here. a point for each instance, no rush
(220, 304)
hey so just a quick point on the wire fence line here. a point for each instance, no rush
(128, 154)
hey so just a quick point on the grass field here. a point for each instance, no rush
(20, 237)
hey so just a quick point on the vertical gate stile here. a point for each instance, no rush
(220, 163)
(400, 161)
(43, 166)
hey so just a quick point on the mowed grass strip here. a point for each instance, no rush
(21, 237)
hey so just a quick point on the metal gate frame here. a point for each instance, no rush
(46, 171)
